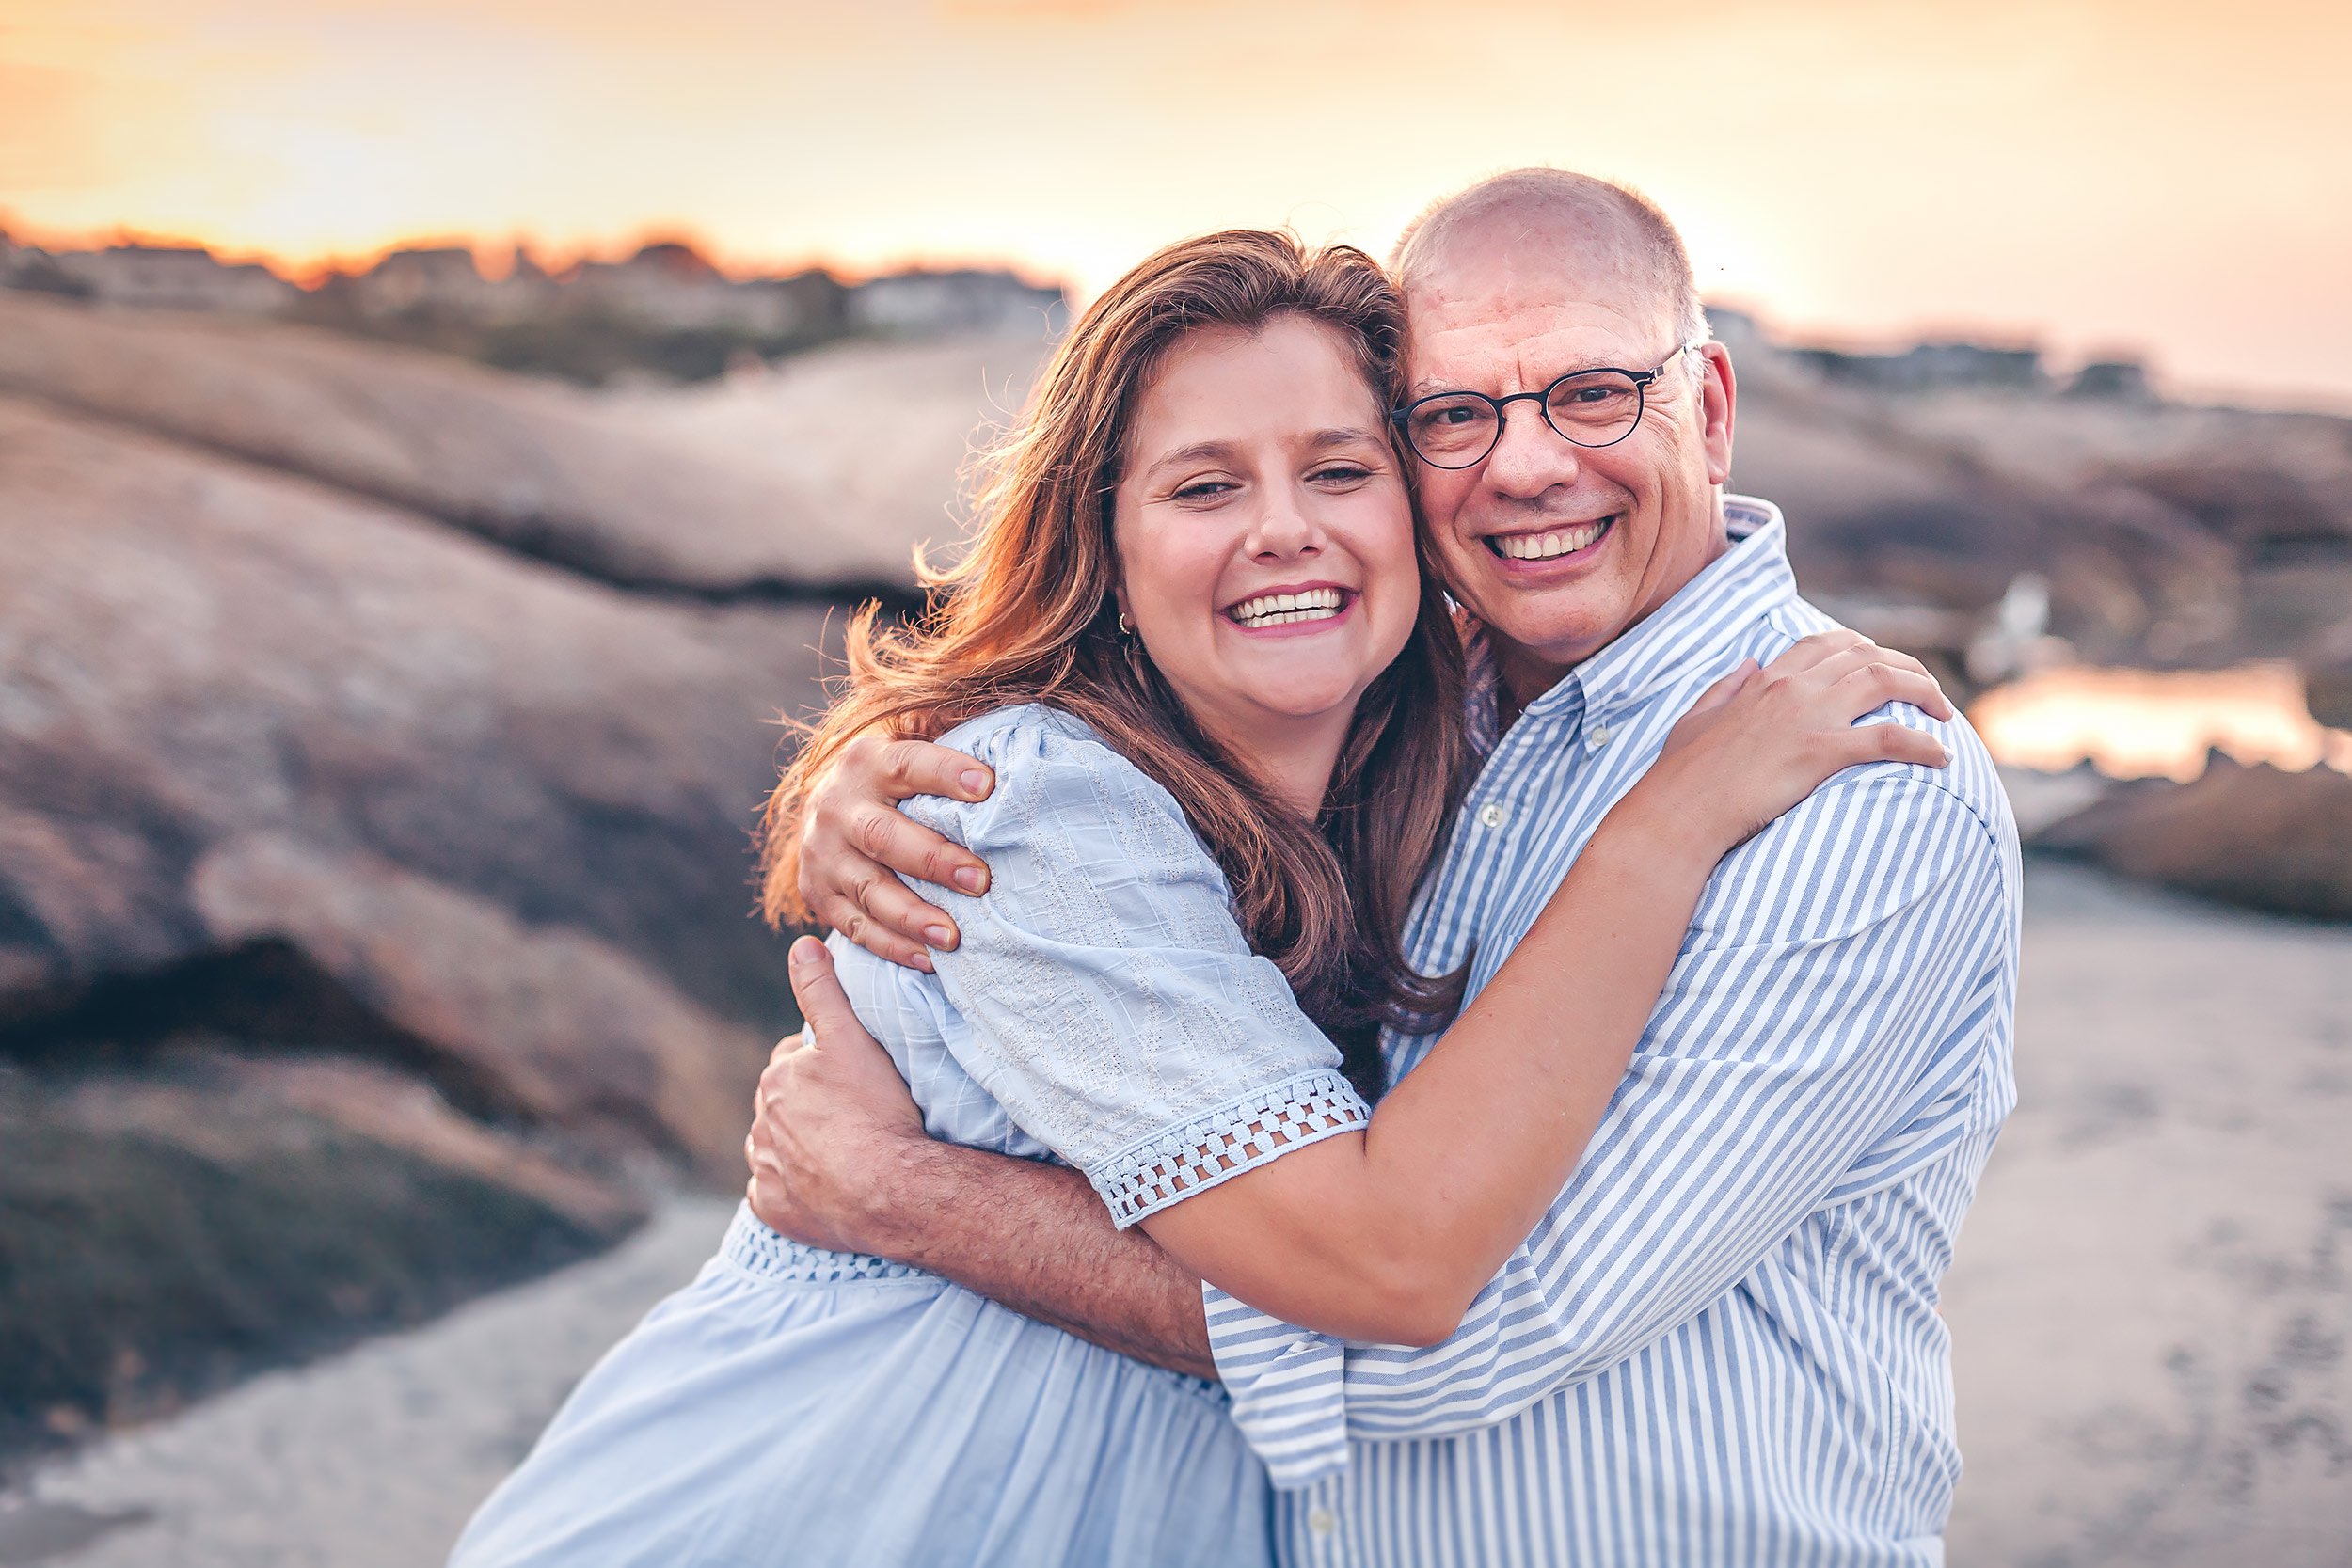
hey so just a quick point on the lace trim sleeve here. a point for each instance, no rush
(1241, 1134)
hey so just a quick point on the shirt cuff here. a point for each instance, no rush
(1219, 1144)
(1287, 1388)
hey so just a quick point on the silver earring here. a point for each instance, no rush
(1132, 646)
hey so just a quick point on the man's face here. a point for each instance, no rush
(1560, 548)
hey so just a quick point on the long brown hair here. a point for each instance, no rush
(1027, 615)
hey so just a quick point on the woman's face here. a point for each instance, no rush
(1263, 530)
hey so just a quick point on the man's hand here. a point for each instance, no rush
(854, 836)
(831, 1108)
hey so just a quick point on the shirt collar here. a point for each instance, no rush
(1708, 609)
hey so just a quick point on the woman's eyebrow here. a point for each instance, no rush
(1199, 451)
(1227, 452)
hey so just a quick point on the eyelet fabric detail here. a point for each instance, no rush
(1239, 1136)
(754, 1248)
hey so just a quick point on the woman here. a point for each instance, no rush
(1222, 702)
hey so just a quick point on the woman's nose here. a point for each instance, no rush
(1285, 529)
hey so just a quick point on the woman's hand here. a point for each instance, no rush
(853, 837)
(1759, 740)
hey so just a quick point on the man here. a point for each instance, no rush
(1721, 1345)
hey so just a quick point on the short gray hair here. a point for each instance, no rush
(1655, 254)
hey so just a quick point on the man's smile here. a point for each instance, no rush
(1550, 544)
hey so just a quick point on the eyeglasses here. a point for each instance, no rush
(1591, 408)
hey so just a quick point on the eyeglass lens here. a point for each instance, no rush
(1592, 409)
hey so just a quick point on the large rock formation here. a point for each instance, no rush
(884, 431)
(540, 468)
(2256, 837)
(321, 797)
(503, 807)
(2168, 536)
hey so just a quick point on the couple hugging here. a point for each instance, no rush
(1456, 1017)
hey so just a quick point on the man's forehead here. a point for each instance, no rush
(1570, 291)
(1519, 346)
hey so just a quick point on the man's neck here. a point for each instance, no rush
(1521, 676)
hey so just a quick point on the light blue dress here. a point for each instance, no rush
(793, 1406)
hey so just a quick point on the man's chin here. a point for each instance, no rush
(1558, 628)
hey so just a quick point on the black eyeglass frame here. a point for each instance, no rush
(1642, 381)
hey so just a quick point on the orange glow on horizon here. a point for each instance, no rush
(2095, 174)
(495, 258)
(2144, 724)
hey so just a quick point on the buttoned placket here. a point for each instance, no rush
(1317, 1541)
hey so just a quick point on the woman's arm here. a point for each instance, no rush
(1387, 1234)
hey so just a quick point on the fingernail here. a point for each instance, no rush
(923, 962)
(975, 783)
(938, 936)
(971, 877)
(805, 950)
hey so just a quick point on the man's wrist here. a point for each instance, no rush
(900, 1203)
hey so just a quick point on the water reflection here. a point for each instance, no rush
(2145, 723)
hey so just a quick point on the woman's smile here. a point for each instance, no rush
(1294, 610)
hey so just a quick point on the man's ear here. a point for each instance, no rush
(1718, 403)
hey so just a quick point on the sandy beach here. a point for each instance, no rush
(2151, 1304)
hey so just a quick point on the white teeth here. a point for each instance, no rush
(1276, 609)
(1543, 546)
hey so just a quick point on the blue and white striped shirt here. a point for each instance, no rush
(1721, 1345)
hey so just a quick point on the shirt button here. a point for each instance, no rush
(1491, 815)
(1320, 1521)
(1600, 736)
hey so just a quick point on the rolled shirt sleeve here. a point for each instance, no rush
(1826, 1032)
(1104, 993)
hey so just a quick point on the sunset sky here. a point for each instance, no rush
(2175, 178)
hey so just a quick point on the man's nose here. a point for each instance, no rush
(1530, 457)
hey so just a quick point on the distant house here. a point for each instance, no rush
(813, 303)
(176, 277)
(965, 300)
(446, 281)
(667, 293)
(2113, 381)
(1735, 329)
(25, 266)
(1932, 365)
(672, 286)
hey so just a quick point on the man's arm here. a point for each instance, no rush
(1045, 1246)
(840, 1160)
(1819, 1040)
(851, 841)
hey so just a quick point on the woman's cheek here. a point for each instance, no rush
(1391, 555)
